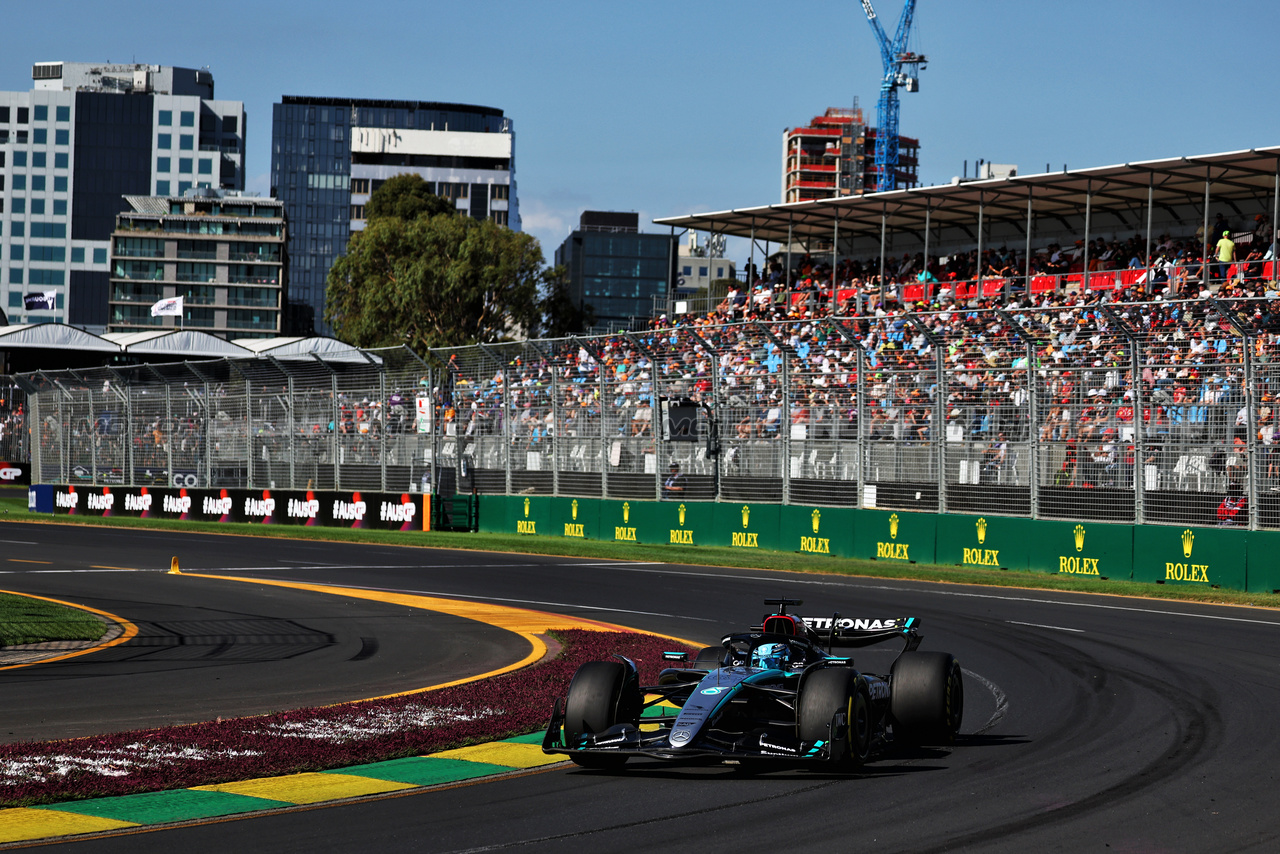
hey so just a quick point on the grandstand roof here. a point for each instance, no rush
(329, 349)
(177, 342)
(1249, 176)
(52, 336)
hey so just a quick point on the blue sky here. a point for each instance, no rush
(668, 108)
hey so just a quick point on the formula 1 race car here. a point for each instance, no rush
(773, 693)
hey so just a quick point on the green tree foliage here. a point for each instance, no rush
(435, 281)
(560, 316)
(423, 274)
(406, 197)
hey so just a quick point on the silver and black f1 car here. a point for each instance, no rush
(776, 692)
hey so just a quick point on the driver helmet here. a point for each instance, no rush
(770, 656)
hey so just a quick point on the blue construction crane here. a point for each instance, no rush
(900, 69)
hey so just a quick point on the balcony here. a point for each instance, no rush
(142, 295)
(156, 275)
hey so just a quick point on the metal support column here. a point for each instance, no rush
(835, 260)
(1252, 451)
(170, 431)
(294, 426)
(1088, 213)
(508, 428)
(1275, 215)
(1026, 281)
(924, 268)
(1033, 407)
(335, 444)
(1033, 424)
(1204, 250)
(1151, 190)
(982, 203)
(382, 430)
(884, 213)
(553, 440)
(1135, 386)
(789, 242)
(860, 406)
(603, 407)
(1251, 397)
(204, 436)
(94, 436)
(939, 347)
(248, 424)
(784, 428)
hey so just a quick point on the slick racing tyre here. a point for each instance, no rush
(926, 699)
(823, 695)
(600, 696)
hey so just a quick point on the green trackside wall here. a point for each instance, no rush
(1229, 558)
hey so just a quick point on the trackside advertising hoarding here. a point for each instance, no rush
(380, 510)
(15, 474)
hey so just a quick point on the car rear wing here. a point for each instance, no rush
(865, 631)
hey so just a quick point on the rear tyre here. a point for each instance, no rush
(926, 698)
(600, 696)
(826, 693)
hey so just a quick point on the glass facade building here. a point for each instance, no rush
(615, 269)
(83, 137)
(328, 155)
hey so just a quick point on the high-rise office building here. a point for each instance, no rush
(221, 251)
(85, 136)
(329, 154)
(616, 269)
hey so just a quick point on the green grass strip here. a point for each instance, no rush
(27, 620)
(695, 555)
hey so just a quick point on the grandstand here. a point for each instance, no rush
(1060, 385)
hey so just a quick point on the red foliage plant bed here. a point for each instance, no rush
(313, 739)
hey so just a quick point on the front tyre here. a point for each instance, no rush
(825, 694)
(926, 700)
(601, 695)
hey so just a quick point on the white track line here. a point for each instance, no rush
(1008, 597)
(1042, 626)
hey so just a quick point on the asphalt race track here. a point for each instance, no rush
(1092, 723)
